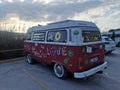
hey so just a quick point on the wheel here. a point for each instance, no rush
(119, 44)
(109, 52)
(60, 71)
(29, 59)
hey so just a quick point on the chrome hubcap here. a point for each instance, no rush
(58, 69)
(28, 58)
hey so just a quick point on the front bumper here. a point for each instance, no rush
(91, 71)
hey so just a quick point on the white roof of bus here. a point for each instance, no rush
(63, 24)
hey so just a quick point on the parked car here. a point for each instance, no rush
(109, 44)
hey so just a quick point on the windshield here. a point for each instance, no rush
(108, 39)
(91, 36)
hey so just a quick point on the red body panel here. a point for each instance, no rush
(72, 57)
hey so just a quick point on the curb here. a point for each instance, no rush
(11, 60)
(11, 50)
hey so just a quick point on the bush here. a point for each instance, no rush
(11, 40)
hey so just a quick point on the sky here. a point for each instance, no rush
(27, 13)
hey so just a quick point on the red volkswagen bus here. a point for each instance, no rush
(71, 46)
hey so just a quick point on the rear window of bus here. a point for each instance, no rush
(91, 36)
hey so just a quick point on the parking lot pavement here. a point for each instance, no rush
(14, 77)
(19, 75)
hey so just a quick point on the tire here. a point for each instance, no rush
(60, 71)
(119, 44)
(29, 59)
(109, 52)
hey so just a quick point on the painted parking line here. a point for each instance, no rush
(41, 84)
(11, 60)
(33, 77)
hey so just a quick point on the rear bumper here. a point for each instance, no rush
(91, 71)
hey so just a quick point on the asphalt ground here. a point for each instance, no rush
(17, 74)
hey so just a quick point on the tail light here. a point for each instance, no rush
(80, 63)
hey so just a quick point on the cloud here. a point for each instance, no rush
(99, 11)
(106, 15)
(34, 11)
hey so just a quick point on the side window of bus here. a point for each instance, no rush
(57, 36)
(28, 36)
(39, 36)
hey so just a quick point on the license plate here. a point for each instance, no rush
(93, 60)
